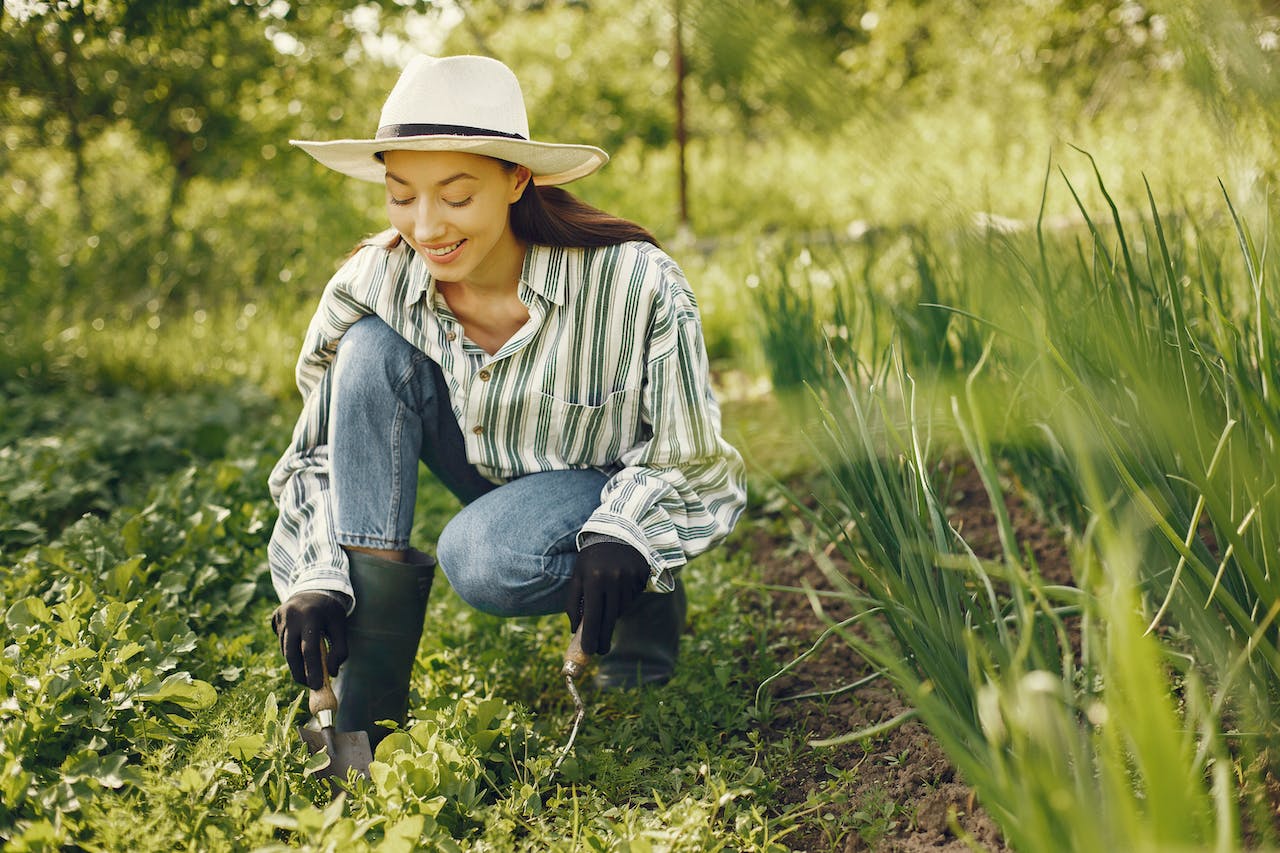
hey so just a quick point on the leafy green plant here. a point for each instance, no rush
(106, 623)
(793, 336)
(142, 680)
(69, 454)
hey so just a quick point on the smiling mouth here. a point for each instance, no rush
(443, 250)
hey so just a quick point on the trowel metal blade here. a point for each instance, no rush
(350, 750)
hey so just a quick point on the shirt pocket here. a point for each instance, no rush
(593, 435)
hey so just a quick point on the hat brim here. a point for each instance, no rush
(550, 163)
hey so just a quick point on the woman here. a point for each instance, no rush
(543, 358)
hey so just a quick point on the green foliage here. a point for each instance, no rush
(101, 621)
(586, 76)
(795, 341)
(1143, 364)
(75, 453)
(141, 139)
(141, 676)
(1228, 56)
(145, 159)
(827, 309)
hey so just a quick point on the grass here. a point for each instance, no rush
(1142, 364)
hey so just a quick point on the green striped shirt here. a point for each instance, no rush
(609, 372)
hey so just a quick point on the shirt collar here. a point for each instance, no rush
(420, 281)
(545, 272)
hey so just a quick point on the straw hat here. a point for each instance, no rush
(457, 103)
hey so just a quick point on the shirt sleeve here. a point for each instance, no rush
(304, 553)
(681, 491)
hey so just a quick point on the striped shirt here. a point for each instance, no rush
(610, 372)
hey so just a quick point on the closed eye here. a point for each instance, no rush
(466, 201)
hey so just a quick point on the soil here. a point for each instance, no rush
(897, 792)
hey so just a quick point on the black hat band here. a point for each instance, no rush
(395, 131)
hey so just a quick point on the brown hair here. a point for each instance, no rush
(551, 216)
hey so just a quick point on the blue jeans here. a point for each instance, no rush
(510, 551)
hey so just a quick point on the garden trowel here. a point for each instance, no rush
(346, 750)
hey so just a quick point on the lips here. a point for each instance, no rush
(442, 253)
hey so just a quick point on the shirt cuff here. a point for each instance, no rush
(589, 538)
(661, 578)
(339, 589)
(347, 602)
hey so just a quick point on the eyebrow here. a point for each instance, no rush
(458, 177)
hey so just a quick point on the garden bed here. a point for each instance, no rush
(896, 791)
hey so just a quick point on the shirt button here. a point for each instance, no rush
(484, 375)
(477, 429)
(452, 336)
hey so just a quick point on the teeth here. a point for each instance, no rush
(446, 250)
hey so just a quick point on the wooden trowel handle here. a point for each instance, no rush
(575, 659)
(324, 698)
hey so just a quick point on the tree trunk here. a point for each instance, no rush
(164, 281)
(682, 135)
(76, 143)
(79, 174)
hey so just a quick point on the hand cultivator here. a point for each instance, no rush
(575, 663)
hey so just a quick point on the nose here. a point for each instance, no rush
(427, 225)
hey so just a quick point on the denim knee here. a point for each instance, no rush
(506, 572)
(373, 359)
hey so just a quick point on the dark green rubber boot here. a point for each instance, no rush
(382, 639)
(646, 642)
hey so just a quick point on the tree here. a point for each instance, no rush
(608, 70)
(189, 77)
(204, 87)
(53, 63)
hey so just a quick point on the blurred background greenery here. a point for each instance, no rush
(147, 176)
(900, 196)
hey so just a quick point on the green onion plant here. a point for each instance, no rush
(1121, 377)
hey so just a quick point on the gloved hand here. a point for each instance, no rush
(301, 624)
(607, 577)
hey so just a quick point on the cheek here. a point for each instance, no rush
(401, 218)
(472, 221)
(488, 218)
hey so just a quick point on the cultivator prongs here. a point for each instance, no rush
(575, 662)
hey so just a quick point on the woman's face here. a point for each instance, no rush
(454, 210)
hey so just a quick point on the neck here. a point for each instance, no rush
(500, 274)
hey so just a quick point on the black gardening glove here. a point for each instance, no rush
(301, 623)
(607, 577)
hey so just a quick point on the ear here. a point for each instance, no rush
(520, 179)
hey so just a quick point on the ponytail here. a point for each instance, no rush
(550, 216)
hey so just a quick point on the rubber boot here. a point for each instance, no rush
(382, 640)
(646, 642)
